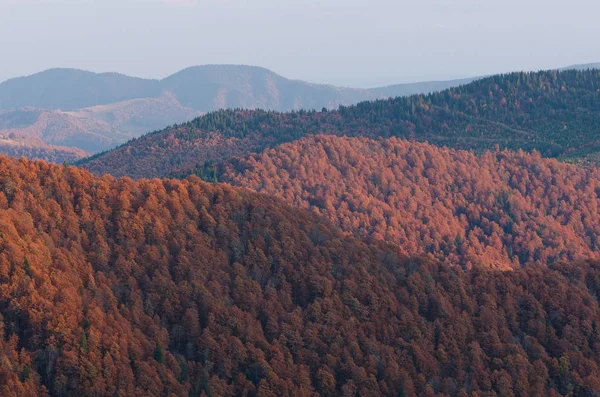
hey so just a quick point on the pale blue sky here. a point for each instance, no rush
(343, 42)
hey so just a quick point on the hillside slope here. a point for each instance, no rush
(34, 148)
(585, 66)
(97, 112)
(71, 89)
(215, 87)
(424, 87)
(500, 210)
(553, 112)
(115, 287)
(96, 128)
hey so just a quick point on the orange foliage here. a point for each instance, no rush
(499, 210)
(110, 287)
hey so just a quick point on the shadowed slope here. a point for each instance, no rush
(114, 287)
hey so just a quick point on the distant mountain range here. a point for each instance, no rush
(96, 112)
(201, 88)
(69, 108)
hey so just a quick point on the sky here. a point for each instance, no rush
(359, 43)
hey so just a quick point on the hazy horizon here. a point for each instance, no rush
(353, 43)
(422, 80)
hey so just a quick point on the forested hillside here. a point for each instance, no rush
(120, 288)
(553, 112)
(97, 112)
(499, 210)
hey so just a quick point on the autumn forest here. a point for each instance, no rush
(441, 244)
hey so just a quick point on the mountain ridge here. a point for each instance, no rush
(553, 112)
(152, 84)
(115, 287)
(203, 75)
(67, 101)
(49, 89)
(118, 107)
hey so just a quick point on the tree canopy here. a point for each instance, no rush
(111, 287)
